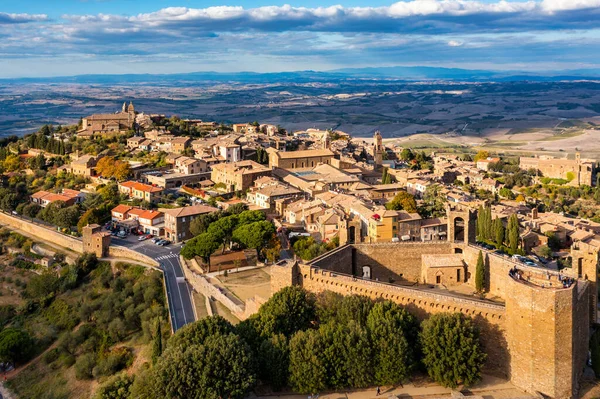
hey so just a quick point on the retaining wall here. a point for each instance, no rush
(42, 233)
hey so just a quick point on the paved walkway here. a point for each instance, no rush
(489, 387)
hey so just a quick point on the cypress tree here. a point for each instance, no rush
(498, 231)
(157, 346)
(384, 176)
(479, 273)
(513, 233)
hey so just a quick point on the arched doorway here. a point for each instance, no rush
(366, 272)
(459, 229)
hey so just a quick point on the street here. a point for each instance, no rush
(178, 290)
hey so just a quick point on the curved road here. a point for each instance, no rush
(181, 307)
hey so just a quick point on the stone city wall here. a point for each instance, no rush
(117, 251)
(396, 262)
(41, 232)
(490, 317)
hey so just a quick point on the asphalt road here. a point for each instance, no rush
(178, 290)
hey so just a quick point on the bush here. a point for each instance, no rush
(114, 361)
(16, 346)
(52, 355)
(84, 366)
(117, 387)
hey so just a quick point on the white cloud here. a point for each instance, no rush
(455, 43)
(569, 5)
(6, 18)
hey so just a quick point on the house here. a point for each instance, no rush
(134, 142)
(189, 166)
(266, 195)
(417, 187)
(69, 197)
(484, 164)
(82, 166)
(238, 176)
(144, 192)
(179, 144)
(177, 221)
(147, 221)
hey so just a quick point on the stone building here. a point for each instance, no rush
(577, 171)
(535, 323)
(177, 221)
(95, 240)
(108, 123)
(238, 176)
(299, 159)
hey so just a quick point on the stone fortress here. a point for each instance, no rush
(535, 328)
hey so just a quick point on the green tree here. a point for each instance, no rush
(498, 232)
(219, 368)
(289, 310)
(434, 201)
(274, 361)
(451, 349)
(255, 235)
(513, 233)
(223, 228)
(358, 353)
(16, 346)
(403, 200)
(308, 373)
(203, 246)
(406, 155)
(545, 251)
(480, 273)
(197, 332)
(394, 336)
(157, 345)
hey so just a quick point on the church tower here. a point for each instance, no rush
(124, 107)
(326, 142)
(131, 109)
(378, 148)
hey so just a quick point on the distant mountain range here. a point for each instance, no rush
(413, 73)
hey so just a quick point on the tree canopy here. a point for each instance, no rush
(451, 349)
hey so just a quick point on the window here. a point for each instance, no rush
(438, 279)
(458, 275)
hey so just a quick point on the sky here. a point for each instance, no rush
(75, 37)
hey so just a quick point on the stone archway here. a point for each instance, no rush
(366, 272)
(459, 229)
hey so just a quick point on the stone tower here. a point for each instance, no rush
(95, 240)
(378, 148)
(124, 109)
(326, 142)
(130, 108)
(462, 222)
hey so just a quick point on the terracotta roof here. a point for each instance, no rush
(122, 209)
(304, 154)
(189, 210)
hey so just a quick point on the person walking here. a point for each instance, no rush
(378, 391)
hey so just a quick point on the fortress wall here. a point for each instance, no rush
(396, 261)
(41, 232)
(339, 260)
(489, 317)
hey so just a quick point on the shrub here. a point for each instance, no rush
(84, 366)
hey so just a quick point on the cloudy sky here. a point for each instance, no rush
(69, 37)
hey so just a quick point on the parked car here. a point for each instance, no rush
(142, 238)
(159, 242)
(121, 234)
(149, 236)
(156, 240)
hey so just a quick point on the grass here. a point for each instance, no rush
(565, 135)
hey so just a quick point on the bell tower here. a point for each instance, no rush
(378, 148)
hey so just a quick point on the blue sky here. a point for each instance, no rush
(69, 37)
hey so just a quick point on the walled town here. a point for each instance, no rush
(511, 243)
